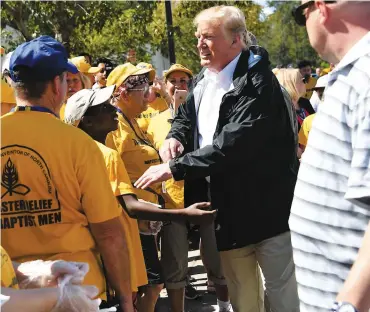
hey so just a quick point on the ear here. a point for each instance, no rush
(236, 39)
(323, 12)
(56, 85)
(124, 96)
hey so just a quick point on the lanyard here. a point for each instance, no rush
(33, 109)
(141, 139)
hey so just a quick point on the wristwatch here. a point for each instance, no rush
(343, 307)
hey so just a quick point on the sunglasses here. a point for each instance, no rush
(145, 90)
(298, 14)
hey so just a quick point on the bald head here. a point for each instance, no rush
(333, 28)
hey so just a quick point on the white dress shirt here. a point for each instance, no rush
(217, 85)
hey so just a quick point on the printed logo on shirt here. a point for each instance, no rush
(9, 180)
(28, 194)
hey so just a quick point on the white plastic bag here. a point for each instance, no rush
(76, 298)
(46, 273)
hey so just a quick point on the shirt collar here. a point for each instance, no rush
(361, 48)
(224, 75)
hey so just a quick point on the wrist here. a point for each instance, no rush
(126, 299)
(342, 306)
(51, 298)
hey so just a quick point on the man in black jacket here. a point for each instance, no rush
(233, 137)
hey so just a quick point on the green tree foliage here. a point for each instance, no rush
(101, 28)
(286, 42)
(184, 13)
(111, 28)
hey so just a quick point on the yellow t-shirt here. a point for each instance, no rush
(154, 108)
(8, 277)
(311, 84)
(157, 132)
(61, 112)
(54, 183)
(7, 97)
(305, 129)
(137, 156)
(121, 185)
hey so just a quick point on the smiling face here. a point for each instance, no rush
(74, 83)
(99, 120)
(177, 80)
(135, 101)
(101, 76)
(216, 50)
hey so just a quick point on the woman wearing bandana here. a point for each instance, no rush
(138, 154)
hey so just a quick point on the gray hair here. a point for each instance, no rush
(232, 19)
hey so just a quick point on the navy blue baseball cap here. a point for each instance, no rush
(44, 57)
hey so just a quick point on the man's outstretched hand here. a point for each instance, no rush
(170, 149)
(154, 174)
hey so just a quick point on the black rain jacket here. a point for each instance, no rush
(252, 162)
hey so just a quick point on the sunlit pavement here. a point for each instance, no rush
(206, 303)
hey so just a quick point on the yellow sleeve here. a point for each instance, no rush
(110, 141)
(8, 277)
(118, 176)
(303, 133)
(98, 201)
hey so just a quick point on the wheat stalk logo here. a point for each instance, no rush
(9, 180)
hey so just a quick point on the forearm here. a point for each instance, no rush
(356, 289)
(144, 211)
(30, 300)
(112, 245)
(117, 263)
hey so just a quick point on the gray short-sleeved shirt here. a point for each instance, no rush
(331, 206)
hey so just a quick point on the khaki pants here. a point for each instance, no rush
(242, 274)
(174, 254)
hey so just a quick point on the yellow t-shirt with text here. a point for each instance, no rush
(157, 132)
(8, 277)
(157, 106)
(136, 155)
(54, 183)
(121, 185)
(305, 130)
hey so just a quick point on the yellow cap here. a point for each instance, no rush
(122, 72)
(2, 50)
(83, 66)
(7, 93)
(142, 65)
(178, 67)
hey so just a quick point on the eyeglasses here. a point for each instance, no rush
(179, 82)
(298, 14)
(145, 90)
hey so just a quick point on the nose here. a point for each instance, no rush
(200, 42)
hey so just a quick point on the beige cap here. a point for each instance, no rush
(79, 102)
